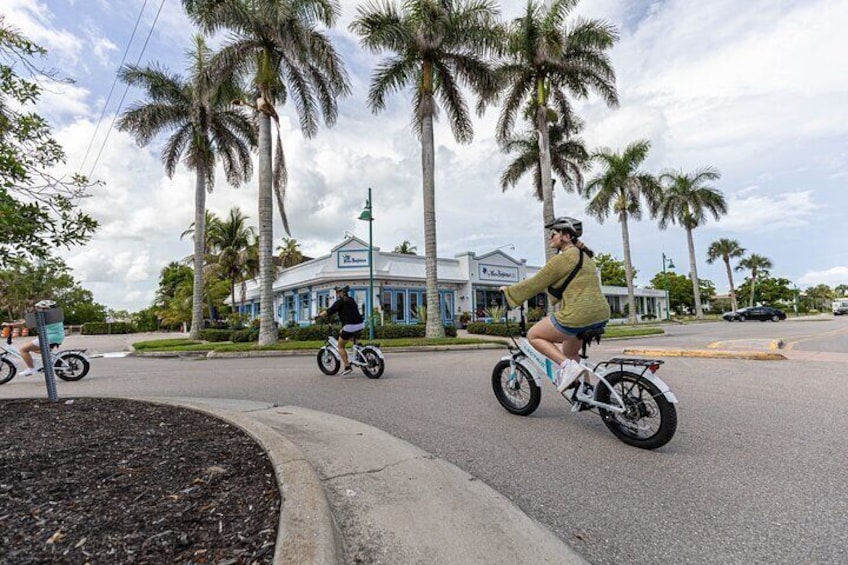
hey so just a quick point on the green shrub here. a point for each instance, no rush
(104, 328)
(500, 329)
(216, 335)
(315, 332)
(244, 336)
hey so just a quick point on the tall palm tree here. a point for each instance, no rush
(209, 221)
(282, 46)
(547, 59)
(687, 200)
(726, 249)
(569, 157)
(234, 250)
(290, 254)
(405, 248)
(204, 127)
(620, 189)
(437, 46)
(759, 266)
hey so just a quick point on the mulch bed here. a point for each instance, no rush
(120, 481)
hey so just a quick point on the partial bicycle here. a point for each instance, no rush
(368, 357)
(633, 402)
(68, 364)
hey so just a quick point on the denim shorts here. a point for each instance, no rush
(574, 331)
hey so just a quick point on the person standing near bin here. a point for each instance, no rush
(55, 336)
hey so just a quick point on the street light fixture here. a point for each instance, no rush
(366, 216)
(667, 264)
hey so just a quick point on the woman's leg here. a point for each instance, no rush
(544, 338)
(571, 347)
(26, 353)
(343, 352)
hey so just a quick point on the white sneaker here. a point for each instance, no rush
(28, 372)
(569, 371)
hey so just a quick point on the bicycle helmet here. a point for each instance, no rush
(342, 288)
(45, 304)
(564, 223)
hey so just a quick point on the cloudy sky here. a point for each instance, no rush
(751, 88)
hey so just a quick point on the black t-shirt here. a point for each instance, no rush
(347, 310)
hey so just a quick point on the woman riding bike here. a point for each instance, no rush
(352, 323)
(572, 281)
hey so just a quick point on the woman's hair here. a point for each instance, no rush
(579, 244)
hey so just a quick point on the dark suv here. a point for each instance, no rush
(761, 313)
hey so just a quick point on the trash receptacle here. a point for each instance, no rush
(51, 316)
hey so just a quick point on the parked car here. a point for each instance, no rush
(761, 313)
(840, 306)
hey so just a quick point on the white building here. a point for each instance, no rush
(467, 283)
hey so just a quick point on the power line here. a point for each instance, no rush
(124, 95)
(114, 82)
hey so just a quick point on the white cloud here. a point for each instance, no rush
(831, 277)
(35, 20)
(769, 212)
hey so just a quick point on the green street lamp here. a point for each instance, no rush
(667, 263)
(366, 216)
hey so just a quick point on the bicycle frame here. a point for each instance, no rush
(356, 350)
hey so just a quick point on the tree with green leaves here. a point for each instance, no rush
(282, 46)
(39, 206)
(289, 253)
(619, 190)
(841, 290)
(235, 252)
(759, 267)
(726, 249)
(204, 128)
(771, 291)
(687, 200)
(547, 60)
(405, 248)
(613, 271)
(437, 46)
(680, 290)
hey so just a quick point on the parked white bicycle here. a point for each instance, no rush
(68, 364)
(369, 357)
(634, 403)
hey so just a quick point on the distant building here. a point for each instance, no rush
(467, 283)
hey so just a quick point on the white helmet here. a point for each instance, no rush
(564, 223)
(45, 304)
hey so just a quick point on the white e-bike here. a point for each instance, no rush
(634, 403)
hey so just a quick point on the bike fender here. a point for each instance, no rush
(529, 369)
(375, 350)
(332, 350)
(77, 351)
(660, 384)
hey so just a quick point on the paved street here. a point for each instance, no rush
(754, 474)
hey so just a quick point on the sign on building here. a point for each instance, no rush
(497, 273)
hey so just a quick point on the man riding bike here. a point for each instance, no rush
(352, 324)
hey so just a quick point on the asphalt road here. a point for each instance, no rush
(756, 472)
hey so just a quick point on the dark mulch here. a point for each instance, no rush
(119, 481)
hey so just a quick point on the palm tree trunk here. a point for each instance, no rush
(693, 270)
(199, 252)
(545, 166)
(733, 304)
(267, 331)
(233, 295)
(628, 269)
(753, 287)
(434, 328)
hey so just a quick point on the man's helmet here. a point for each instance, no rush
(564, 223)
(342, 288)
(45, 304)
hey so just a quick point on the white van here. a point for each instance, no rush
(840, 306)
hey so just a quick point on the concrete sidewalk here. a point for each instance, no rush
(355, 494)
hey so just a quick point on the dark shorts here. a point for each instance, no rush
(569, 331)
(351, 335)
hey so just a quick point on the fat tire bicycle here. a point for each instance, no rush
(368, 357)
(633, 402)
(68, 364)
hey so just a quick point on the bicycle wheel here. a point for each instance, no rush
(71, 367)
(520, 395)
(7, 371)
(327, 362)
(649, 421)
(374, 364)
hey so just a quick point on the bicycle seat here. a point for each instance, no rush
(589, 336)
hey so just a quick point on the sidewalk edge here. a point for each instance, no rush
(708, 354)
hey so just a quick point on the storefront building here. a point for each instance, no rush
(467, 283)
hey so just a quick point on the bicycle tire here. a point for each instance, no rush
(643, 400)
(374, 364)
(524, 387)
(8, 370)
(327, 362)
(71, 367)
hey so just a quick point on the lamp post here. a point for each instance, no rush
(667, 263)
(366, 216)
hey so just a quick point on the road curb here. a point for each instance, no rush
(307, 532)
(708, 354)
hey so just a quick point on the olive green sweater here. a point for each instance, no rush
(583, 302)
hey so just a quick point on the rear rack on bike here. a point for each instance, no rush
(652, 364)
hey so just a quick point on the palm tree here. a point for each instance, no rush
(759, 266)
(234, 250)
(209, 221)
(687, 200)
(547, 60)
(204, 127)
(568, 157)
(620, 189)
(405, 248)
(726, 249)
(281, 46)
(438, 45)
(290, 254)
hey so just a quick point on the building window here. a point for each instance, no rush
(304, 306)
(323, 301)
(387, 304)
(485, 299)
(400, 310)
(288, 314)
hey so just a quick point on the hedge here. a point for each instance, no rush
(493, 329)
(216, 335)
(318, 332)
(105, 328)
